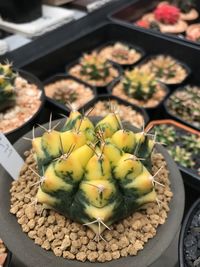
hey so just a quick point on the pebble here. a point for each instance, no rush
(71, 240)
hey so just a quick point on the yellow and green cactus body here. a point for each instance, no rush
(139, 84)
(46, 148)
(80, 123)
(109, 125)
(96, 183)
(7, 86)
(124, 139)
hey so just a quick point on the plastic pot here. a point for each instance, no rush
(132, 46)
(174, 116)
(27, 126)
(192, 179)
(61, 108)
(120, 101)
(104, 88)
(153, 112)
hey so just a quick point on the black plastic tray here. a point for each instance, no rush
(120, 101)
(54, 61)
(176, 117)
(58, 107)
(133, 11)
(184, 229)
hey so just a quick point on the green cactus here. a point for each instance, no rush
(95, 67)
(139, 84)
(97, 182)
(7, 88)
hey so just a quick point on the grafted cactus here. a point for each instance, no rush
(7, 89)
(94, 182)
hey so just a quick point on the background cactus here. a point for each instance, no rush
(97, 182)
(139, 84)
(7, 88)
(184, 5)
(94, 66)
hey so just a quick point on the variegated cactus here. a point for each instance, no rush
(93, 174)
(7, 89)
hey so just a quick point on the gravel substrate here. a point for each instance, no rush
(166, 69)
(192, 242)
(3, 253)
(120, 53)
(76, 72)
(159, 95)
(101, 108)
(71, 240)
(68, 90)
(185, 104)
(27, 104)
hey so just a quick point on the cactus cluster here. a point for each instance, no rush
(94, 174)
(7, 88)
(139, 84)
(95, 66)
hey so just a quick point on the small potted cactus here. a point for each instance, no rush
(87, 175)
(7, 87)
(64, 91)
(166, 18)
(21, 98)
(166, 69)
(183, 104)
(140, 88)
(95, 70)
(123, 54)
(20, 11)
(183, 143)
(132, 114)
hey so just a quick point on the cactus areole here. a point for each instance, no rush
(94, 174)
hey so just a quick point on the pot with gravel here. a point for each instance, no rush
(21, 99)
(183, 105)
(166, 69)
(105, 205)
(64, 91)
(183, 144)
(95, 71)
(121, 53)
(189, 241)
(141, 89)
(132, 114)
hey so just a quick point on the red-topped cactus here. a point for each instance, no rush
(167, 14)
